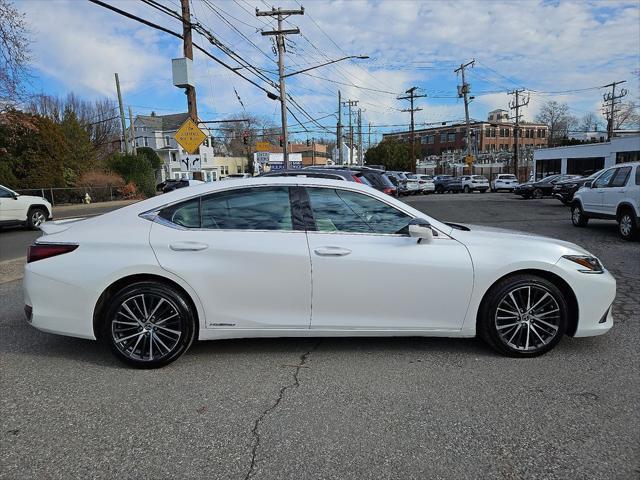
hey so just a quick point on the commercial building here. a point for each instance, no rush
(586, 158)
(210, 163)
(494, 135)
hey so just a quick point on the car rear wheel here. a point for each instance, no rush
(627, 227)
(467, 189)
(149, 325)
(578, 218)
(523, 316)
(36, 217)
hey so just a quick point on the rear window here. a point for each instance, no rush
(638, 175)
(620, 177)
(507, 177)
(479, 177)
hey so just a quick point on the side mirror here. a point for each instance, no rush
(587, 184)
(421, 229)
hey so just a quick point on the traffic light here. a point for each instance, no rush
(245, 139)
(280, 140)
(308, 143)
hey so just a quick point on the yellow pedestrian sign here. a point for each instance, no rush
(189, 136)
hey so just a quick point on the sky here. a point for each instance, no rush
(557, 50)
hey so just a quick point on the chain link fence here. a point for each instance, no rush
(61, 196)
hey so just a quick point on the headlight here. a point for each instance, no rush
(590, 264)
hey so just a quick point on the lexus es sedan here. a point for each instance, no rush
(304, 257)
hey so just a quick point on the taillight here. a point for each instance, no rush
(40, 251)
(356, 179)
(389, 191)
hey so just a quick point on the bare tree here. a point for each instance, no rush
(590, 122)
(15, 54)
(557, 117)
(99, 118)
(627, 117)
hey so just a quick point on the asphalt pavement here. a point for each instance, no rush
(336, 408)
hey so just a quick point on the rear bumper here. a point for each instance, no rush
(57, 307)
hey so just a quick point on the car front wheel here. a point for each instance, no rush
(537, 193)
(578, 218)
(523, 316)
(627, 226)
(36, 217)
(149, 325)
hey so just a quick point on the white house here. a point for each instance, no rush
(353, 160)
(587, 158)
(210, 163)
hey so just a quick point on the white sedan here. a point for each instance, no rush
(303, 257)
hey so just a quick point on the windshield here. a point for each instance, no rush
(507, 177)
(479, 177)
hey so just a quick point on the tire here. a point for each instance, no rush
(537, 193)
(439, 189)
(526, 333)
(467, 189)
(578, 218)
(483, 191)
(132, 334)
(627, 225)
(493, 190)
(36, 217)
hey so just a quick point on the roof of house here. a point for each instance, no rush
(166, 123)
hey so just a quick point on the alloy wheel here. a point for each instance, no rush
(527, 318)
(37, 218)
(147, 327)
(626, 225)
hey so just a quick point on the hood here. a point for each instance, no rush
(515, 239)
(34, 198)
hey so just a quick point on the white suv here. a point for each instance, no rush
(504, 181)
(16, 209)
(474, 182)
(614, 195)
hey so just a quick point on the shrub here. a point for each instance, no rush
(136, 169)
(97, 178)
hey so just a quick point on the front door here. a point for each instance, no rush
(244, 255)
(593, 197)
(11, 209)
(370, 275)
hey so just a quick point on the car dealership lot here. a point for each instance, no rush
(337, 408)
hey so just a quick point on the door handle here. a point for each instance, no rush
(332, 251)
(188, 246)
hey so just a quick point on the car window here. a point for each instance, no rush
(344, 211)
(261, 208)
(620, 177)
(4, 193)
(603, 180)
(185, 214)
(637, 174)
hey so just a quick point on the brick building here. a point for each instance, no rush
(313, 154)
(494, 135)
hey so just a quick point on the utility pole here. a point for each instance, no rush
(411, 97)
(350, 103)
(360, 156)
(132, 132)
(339, 132)
(516, 105)
(612, 98)
(369, 141)
(122, 122)
(280, 36)
(187, 47)
(463, 91)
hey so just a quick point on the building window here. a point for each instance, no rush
(173, 157)
(451, 137)
(146, 142)
(624, 157)
(544, 168)
(167, 141)
(443, 138)
(204, 157)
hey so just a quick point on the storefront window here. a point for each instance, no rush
(624, 157)
(545, 168)
(584, 166)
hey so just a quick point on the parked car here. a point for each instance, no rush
(174, 277)
(447, 183)
(400, 181)
(425, 182)
(413, 185)
(27, 210)
(504, 181)
(615, 195)
(473, 183)
(369, 176)
(541, 188)
(236, 176)
(565, 189)
(172, 184)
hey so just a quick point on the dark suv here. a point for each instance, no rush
(447, 183)
(368, 176)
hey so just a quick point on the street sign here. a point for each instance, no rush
(263, 147)
(189, 136)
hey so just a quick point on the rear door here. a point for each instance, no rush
(617, 190)
(592, 198)
(370, 275)
(244, 253)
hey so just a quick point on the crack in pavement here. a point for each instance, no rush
(263, 415)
